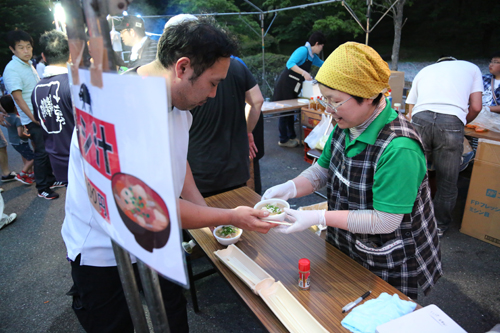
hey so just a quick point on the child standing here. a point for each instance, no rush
(18, 139)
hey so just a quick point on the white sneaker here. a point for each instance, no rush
(292, 143)
(7, 219)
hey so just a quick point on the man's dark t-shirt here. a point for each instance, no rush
(218, 141)
(52, 107)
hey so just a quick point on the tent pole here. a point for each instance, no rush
(263, 50)
(368, 14)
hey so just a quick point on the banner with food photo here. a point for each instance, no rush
(125, 144)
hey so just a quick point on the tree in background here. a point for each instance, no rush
(296, 25)
(397, 18)
(32, 16)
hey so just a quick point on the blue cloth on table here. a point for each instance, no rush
(366, 317)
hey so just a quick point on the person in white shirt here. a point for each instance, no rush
(193, 58)
(444, 97)
(40, 66)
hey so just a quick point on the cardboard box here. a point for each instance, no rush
(397, 83)
(310, 118)
(482, 208)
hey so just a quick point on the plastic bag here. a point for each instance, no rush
(316, 139)
(487, 119)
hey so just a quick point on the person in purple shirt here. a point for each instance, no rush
(52, 106)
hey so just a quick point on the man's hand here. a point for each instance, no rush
(253, 147)
(283, 191)
(302, 219)
(247, 218)
(3, 122)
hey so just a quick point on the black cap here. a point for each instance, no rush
(131, 22)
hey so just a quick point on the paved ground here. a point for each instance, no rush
(34, 274)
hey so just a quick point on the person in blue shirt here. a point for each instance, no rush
(290, 81)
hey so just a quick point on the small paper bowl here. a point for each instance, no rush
(227, 241)
(279, 217)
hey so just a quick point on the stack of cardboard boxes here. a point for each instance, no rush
(482, 208)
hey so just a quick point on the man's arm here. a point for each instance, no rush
(3, 114)
(22, 134)
(195, 216)
(254, 99)
(18, 98)
(410, 110)
(495, 108)
(475, 105)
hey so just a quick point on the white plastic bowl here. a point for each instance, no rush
(279, 217)
(227, 241)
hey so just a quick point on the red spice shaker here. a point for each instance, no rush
(304, 272)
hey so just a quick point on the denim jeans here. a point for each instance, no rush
(43, 169)
(287, 128)
(443, 136)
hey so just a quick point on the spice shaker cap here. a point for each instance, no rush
(304, 265)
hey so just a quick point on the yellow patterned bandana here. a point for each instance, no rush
(356, 69)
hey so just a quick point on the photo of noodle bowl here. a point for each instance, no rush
(142, 210)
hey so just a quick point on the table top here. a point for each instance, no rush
(490, 135)
(336, 279)
(282, 106)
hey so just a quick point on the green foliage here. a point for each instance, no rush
(246, 28)
(144, 7)
(32, 16)
(338, 23)
(275, 64)
(297, 24)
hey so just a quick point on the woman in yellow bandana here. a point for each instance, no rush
(380, 210)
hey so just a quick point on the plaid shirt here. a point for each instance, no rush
(405, 258)
(487, 90)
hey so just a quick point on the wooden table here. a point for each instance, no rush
(490, 135)
(336, 279)
(284, 108)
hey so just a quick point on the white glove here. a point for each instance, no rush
(283, 191)
(302, 219)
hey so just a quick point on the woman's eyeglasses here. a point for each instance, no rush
(333, 106)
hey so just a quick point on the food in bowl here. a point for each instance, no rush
(227, 234)
(275, 207)
(228, 231)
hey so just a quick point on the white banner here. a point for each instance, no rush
(124, 140)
